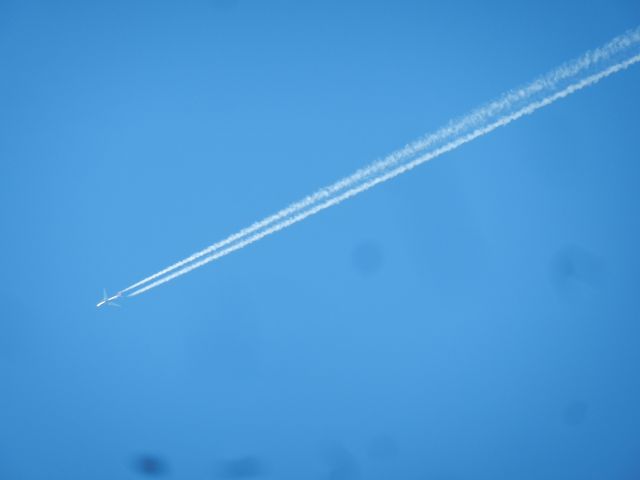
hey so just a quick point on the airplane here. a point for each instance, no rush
(107, 300)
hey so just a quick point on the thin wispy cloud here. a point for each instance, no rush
(588, 69)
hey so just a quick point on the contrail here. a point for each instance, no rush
(529, 109)
(508, 101)
(478, 123)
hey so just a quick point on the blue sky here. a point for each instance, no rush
(476, 318)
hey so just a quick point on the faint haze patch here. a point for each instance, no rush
(382, 447)
(226, 339)
(150, 465)
(573, 268)
(248, 466)
(367, 257)
(563, 139)
(342, 465)
(446, 244)
(575, 413)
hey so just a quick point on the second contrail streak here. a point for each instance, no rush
(592, 66)
(500, 122)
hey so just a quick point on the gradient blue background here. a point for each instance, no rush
(477, 318)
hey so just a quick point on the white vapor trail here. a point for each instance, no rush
(564, 80)
(314, 207)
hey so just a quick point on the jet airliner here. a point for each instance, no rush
(107, 300)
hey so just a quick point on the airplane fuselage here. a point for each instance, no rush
(109, 300)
